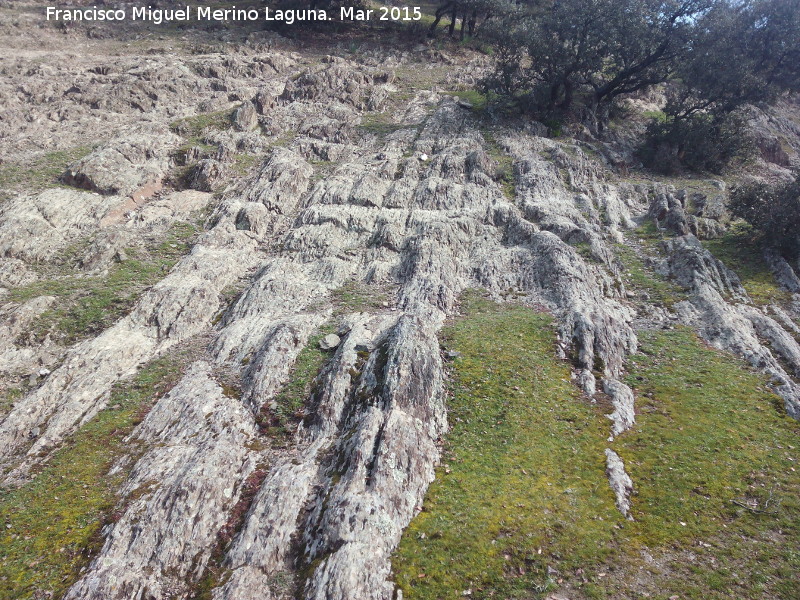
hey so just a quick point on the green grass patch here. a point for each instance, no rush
(742, 251)
(196, 126)
(38, 174)
(87, 305)
(51, 526)
(355, 296)
(379, 124)
(290, 401)
(522, 486)
(712, 458)
(8, 397)
(504, 174)
(478, 100)
(642, 278)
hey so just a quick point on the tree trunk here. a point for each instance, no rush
(473, 18)
(440, 12)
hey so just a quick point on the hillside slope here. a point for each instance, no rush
(283, 319)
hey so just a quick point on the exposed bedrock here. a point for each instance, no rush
(418, 212)
(177, 308)
(335, 505)
(134, 165)
(178, 495)
(718, 308)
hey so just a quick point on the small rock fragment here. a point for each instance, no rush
(329, 342)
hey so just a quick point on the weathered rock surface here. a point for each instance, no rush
(178, 495)
(37, 228)
(409, 202)
(736, 326)
(134, 165)
(621, 483)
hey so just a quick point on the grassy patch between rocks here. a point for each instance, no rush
(380, 124)
(355, 296)
(522, 488)
(38, 174)
(504, 173)
(742, 252)
(643, 279)
(51, 526)
(194, 127)
(87, 305)
(291, 399)
(714, 461)
(521, 506)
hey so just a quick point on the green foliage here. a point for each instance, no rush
(51, 525)
(572, 59)
(711, 142)
(741, 53)
(773, 211)
(523, 489)
(588, 53)
(87, 305)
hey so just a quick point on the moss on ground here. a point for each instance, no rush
(87, 305)
(38, 174)
(290, 401)
(741, 250)
(504, 175)
(51, 526)
(522, 486)
(521, 505)
(642, 278)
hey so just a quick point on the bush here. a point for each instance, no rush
(774, 211)
(700, 142)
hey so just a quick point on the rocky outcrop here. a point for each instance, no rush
(134, 165)
(177, 308)
(37, 228)
(413, 202)
(178, 495)
(718, 308)
(621, 483)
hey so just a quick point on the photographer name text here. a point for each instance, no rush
(158, 16)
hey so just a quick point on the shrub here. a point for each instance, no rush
(701, 142)
(774, 211)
